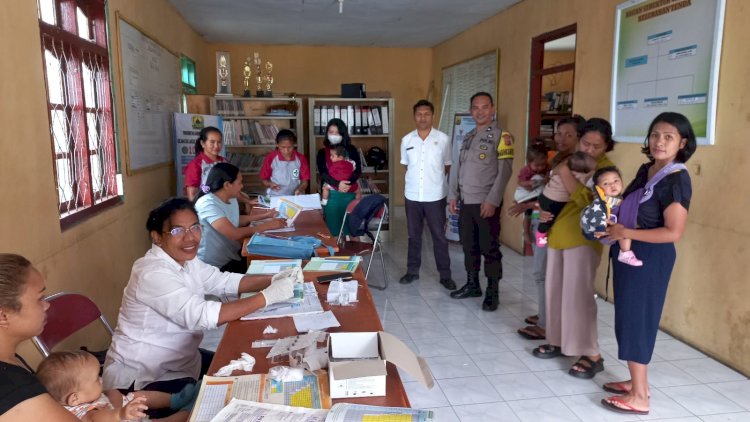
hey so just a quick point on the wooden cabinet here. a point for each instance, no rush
(250, 126)
(370, 124)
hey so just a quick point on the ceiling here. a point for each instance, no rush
(370, 23)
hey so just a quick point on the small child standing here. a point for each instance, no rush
(599, 214)
(285, 171)
(340, 169)
(555, 196)
(532, 177)
(72, 378)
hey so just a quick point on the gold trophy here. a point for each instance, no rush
(258, 75)
(246, 72)
(269, 79)
(223, 84)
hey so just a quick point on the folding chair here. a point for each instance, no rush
(68, 313)
(356, 247)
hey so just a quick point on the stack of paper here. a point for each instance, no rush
(272, 266)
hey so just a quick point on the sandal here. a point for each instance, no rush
(547, 351)
(532, 320)
(590, 368)
(531, 333)
(616, 404)
(618, 388)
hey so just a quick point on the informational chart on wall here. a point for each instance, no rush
(463, 123)
(151, 85)
(666, 59)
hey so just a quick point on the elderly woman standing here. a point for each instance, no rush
(571, 266)
(661, 193)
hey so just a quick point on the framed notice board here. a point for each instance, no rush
(151, 84)
(666, 59)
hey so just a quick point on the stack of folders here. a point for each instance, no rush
(333, 263)
(359, 119)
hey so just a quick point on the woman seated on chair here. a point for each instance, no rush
(163, 312)
(22, 316)
(223, 226)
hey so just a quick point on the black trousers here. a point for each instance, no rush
(480, 237)
(434, 214)
(554, 207)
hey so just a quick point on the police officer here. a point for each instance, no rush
(484, 168)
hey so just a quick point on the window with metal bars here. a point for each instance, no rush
(76, 64)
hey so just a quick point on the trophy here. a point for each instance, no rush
(258, 75)
(269, 79)
(246, 72)
(223, 83)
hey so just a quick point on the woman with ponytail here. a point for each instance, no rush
(223, 226)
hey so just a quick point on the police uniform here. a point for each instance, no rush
(484, 168)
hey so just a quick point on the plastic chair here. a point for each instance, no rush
(68, 313)
(356, 247)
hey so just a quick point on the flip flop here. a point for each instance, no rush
(532, 320)
(616, 404)
(617, 388)
(529, 334)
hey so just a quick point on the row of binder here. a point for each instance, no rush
(244, 132)
(359, 119)
(247, 163)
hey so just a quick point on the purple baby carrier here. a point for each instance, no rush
(627, 212)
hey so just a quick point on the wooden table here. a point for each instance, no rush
(310, 223)
(362, 316)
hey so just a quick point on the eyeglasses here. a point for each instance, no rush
(195, 229)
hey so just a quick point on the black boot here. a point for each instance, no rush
(492, 297)
(470, 289)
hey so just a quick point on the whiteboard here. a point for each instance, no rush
(151, 85)
(463, 80)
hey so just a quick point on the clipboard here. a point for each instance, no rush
(289, 210)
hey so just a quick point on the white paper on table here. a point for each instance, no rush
(281, 230)
(307, 202)
(247, 411)
(349, 286)
(329, 266)
(317, 322)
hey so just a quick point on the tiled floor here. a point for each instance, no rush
(485, 371)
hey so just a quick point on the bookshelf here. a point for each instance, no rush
(250, 126)
(378, 131)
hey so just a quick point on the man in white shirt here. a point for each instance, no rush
(164, 312)
(426, 153)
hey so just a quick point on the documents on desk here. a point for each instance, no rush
(333, 263)
(307, 202)
(315, 322)
(272, 266)
(342, 292)
(247, 411)
(310, 305)
(215, 393)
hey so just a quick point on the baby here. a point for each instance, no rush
(340, 169)
(597, 215)
(72, 378)
(532, 176)
(555, 196)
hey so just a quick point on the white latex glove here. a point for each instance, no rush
(282, 286)
(295, 274)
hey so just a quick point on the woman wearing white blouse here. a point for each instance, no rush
(163, 312)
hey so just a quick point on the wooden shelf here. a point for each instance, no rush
(259, 117)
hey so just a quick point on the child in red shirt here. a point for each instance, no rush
(340, 169)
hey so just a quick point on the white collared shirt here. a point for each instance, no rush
(162, 318)
(425, 176)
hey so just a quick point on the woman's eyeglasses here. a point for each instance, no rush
(195, 229)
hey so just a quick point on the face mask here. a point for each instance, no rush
(334, 139)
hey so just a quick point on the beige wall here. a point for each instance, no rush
(707, 303)
(320, 70)
(95, 256)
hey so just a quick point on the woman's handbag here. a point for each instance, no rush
(295, 247)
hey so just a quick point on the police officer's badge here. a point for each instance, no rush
(482, 156)
(483, 147)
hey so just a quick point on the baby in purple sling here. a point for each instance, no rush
(606, 209)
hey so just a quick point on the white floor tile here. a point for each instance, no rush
(671, 350)
(470, 390)
(547, 409)
(737, 391)
(472, 327)
(421, 397)
(482, 344)
(701, 400)
(666, 374)
(444, 414)
(453, 367)
(562, 384)
(487, 412)
(588, 408)
(427, 330)
(519, 386)
(707, 370)
(727, 417)
(444, 346)
(498, 363)
(662, 406)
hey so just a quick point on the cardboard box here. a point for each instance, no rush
(356, 363)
